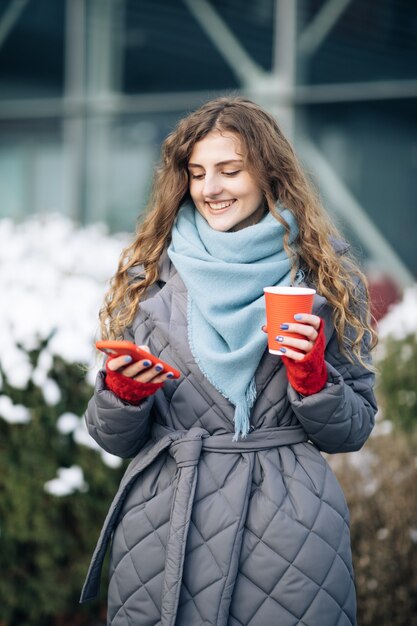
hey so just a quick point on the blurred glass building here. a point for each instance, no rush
(89, 88)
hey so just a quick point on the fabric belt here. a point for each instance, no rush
(185, 446)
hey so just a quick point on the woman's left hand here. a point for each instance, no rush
(306, 325)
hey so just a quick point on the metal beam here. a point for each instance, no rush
(282, 79)
(285, 37)
(103, 58)
(321, 25)
(239, 61)
(10, 17)
(350, 211)
(74, 126)
(38, 108)
(356, 92)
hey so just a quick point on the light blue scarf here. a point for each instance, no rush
(225, 273)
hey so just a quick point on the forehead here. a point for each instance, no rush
(217, 146)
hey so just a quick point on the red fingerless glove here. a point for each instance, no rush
(127, 389)
(309, 375)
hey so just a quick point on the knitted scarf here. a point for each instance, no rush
(225, 273)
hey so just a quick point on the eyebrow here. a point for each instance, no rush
(221, 163)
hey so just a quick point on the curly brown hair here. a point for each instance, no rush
(270, 158)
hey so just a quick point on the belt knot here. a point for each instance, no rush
(186, 450)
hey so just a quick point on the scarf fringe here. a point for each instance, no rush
(242, 412)
(299, 277)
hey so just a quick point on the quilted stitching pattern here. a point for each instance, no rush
(219, 500)
(305, 541)
(268, 540)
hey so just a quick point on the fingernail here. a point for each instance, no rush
(284, 326)
(282, 349)
(127, 358)
(170, 375)
(279, 338)
(159, 367)
(298, 316)
(146, 363)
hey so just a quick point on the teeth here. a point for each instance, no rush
(220, 205)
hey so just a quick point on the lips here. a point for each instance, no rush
(218, 206)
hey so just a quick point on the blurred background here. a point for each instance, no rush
(88, 90)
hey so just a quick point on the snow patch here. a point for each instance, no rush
(13, 413)
(69, 480)
(67, 423)
(54, 273)
(401, 320)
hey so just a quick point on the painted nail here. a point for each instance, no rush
(159, 367)
(282, 349)
(284, 326)
(127, 358)
(298, 316)
(146, 363)
(170, 375)
(279, 338)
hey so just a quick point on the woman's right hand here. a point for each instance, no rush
(141, 371)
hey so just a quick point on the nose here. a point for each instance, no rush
(212, 186)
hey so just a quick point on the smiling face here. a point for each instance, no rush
(222, 189)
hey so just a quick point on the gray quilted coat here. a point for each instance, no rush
(205, 531)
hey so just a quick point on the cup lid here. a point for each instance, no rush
(290, 291)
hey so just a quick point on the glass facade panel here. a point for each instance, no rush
(121, 155)
(373, 149)
(32, 168)
(165, 49)
(31, 49)
(369, 41)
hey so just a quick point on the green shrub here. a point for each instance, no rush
(380, 484)
(398, 381)
(46, 540)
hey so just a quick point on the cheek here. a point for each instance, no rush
(250, 189)
(255, 196)
(192, 188)
(259, 197)
(196, 197)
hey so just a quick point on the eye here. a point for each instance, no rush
(232, 173)
(196, 176)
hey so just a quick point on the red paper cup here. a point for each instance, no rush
(282, 303)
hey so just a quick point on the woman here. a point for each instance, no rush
(228, 513)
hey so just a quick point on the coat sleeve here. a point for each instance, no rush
(340, 417)
(117, 426)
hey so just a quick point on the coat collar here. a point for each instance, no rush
(166, 269)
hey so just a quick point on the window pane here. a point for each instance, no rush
(32, 52)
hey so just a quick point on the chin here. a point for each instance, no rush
(224, 227)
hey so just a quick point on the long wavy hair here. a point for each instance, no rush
(269, 157)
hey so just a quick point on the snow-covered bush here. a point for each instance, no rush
(55, 483)
(380, 485)
(397, 363)
(401, 320)
(52, 278)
